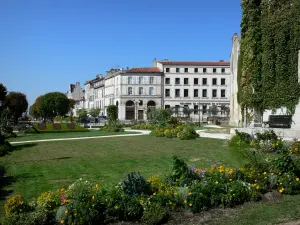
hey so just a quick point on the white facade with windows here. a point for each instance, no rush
(198, 86)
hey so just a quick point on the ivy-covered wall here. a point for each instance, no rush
(270, 40)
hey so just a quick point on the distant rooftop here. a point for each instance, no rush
(144, 70)
(190, 63)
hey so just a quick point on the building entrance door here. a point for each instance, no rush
(140, 114)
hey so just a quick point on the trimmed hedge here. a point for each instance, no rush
(54, 128)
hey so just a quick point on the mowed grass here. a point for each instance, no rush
(40, 167)
(42, 136)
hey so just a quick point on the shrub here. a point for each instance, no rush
(188, 133)
(154, 213)
(135, 184)
(16, 205)
(5, 148)
(113, 126)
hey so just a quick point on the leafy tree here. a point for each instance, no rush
(17, 104)
(54, 104)
(34, 109)
(94, 112)
(112, 113)
(158, 116)
(82, 114)
(3, 92)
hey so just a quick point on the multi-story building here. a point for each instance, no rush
(195, 86)
(94, 93)
(76, 93)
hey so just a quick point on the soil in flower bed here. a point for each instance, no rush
(56, 126)
(42, 126)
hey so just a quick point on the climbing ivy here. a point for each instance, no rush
(268, 65)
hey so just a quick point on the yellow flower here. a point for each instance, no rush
(66, 212)
(62, 221)
(154, 193)
(281, 190)
(190, 204)
(265, 173)
(93, 198)
(230, 180)
(97, 186)
(217, 182)
(297, 179)
(116, 206)
(185, 201)
(257, 187)
(190, 193)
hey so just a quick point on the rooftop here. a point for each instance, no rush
(144, 70)
(187, 63)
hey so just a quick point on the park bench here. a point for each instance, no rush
(284, 121)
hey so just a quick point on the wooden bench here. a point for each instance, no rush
(280, 121)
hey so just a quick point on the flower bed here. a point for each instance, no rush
(56, 126)
(62, 127)
(182, 132)
(185, 188)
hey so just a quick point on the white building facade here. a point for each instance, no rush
(196, 86)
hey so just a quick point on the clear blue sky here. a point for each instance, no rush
(47, 44)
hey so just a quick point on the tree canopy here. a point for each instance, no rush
(51, 105)
(17, 104)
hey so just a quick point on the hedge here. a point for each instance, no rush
(64, 127)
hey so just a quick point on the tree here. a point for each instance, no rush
(82, 115)
(17, 104)
(34, 109)
(158, 116)
(54, 104)
(112, 113)
(3, 92)
(94, 112)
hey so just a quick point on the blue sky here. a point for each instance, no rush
(45, 45)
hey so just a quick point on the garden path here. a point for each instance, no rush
(140, 132)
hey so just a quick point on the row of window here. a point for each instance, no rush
(196, 81)
(140, 80)
(196, 70)
(196, 93)
(141, 91)
(196, 109)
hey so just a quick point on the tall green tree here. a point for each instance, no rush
(34, 109)
(112, 113)
(94, 112)
(17, 104)
(82, 115)
(54, 104)
(3, 92)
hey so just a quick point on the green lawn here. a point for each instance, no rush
(41, 136)
(51, 165)
(37, 167)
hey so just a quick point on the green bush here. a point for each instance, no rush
(188, 133)
(113, 126)
(268, 135)
(154, 213)
(5, 148)
(135, 184)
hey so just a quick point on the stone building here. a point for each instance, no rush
(197, 86)
(76, 93)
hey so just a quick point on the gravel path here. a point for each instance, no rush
(140, 132)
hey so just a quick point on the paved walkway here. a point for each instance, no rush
(141, 132)
(214, 135)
